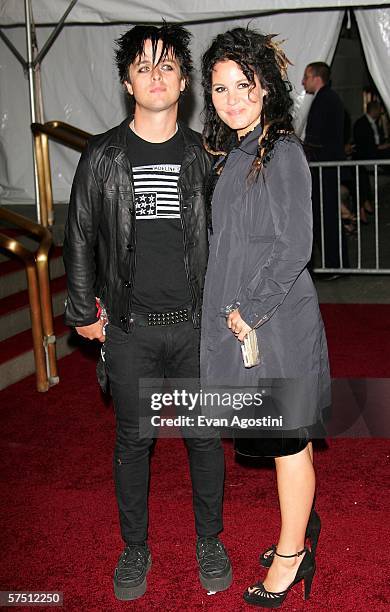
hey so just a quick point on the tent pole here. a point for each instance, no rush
(31, 83)
(13, 49)
(37, 75)
(54, 34)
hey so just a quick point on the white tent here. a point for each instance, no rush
(79, 80)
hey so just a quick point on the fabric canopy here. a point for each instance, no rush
(80, 85)
(103, 11)
(374, 28)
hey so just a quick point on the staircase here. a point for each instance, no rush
(16, 346)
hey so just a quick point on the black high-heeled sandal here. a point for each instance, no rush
(257, 595)
(312, 533)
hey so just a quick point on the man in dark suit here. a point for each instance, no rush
(367, 135)
(369, 144)
(324, 141)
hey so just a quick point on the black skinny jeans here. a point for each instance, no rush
(170, 351)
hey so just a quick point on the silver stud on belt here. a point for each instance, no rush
(168, 318)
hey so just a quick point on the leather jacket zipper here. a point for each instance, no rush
(132, 272)
(185, 244)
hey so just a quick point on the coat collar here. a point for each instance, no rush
(322, 90)
(251, 141)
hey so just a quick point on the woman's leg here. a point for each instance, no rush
(296, 486)
(310, 447)
(270, 552)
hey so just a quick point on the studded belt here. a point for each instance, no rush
(160, 318)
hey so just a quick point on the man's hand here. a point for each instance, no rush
(92, 332)
(349, 148)
(237, 325)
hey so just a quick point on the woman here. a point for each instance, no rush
(260, 243)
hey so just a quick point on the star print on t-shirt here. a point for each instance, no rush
(156, 193)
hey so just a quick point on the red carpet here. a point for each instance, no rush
(359, 339)
(59, 521)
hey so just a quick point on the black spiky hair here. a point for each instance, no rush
(175, 41)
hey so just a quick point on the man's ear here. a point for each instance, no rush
(129, 88)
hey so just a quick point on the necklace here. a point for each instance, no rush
(132, 127)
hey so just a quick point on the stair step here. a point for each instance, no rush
(19, 300)
(24, 239)
(10, 263)
(15, 309)
(16, 343)
(17, 356)
(13, 274)
(22, 342)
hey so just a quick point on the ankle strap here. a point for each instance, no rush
(298, 554)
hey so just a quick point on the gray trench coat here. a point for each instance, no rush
(259, 249)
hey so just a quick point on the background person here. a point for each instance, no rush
(259, 247)
(369, 144)
(368, 136)
(324, 141)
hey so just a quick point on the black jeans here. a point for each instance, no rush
(170, 351)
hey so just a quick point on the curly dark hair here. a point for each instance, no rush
(255, 53)
(175, 40)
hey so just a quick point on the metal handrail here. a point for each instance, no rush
(65, 134)
(353, 162)
(37, 272)
(356, 164)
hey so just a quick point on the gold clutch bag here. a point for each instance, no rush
(250, 350)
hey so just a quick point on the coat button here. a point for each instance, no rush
(130, 247)
(123, 319)
(127, 284)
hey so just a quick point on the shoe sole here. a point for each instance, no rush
(216, 584)
(130, 593)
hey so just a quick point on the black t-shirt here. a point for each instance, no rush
(160, 280)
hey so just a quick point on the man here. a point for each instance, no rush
(367, 135)
(367, 140)
(324, 141)
(369, 144)
(136, 238)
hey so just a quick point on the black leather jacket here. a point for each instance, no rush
(100, 233)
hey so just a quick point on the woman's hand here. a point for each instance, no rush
(93, 332)
(237, 325)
